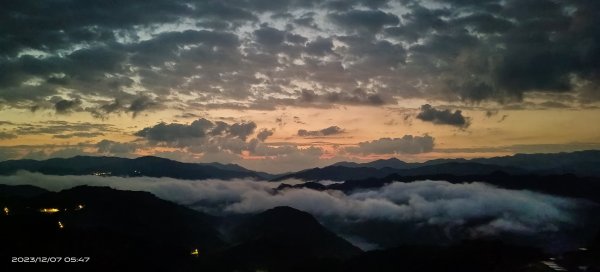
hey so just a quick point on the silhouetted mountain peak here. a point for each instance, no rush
(279, 220)
(153, 159)
(286, 217)
(289, 232)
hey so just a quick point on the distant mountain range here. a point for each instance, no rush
(344, 173)
(582, 164)
(143, 166)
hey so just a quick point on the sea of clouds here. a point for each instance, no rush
(424, 202)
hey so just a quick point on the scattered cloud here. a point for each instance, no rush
(78, 134)
(116, 148)
(7, 136)
(364, 20)
(64, 106)
(408, 144)
(263, 134)
(201, 129)
(444, 117)
(332, 130)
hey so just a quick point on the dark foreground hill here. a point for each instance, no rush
(286, 238)
(116, 229)
(471, 256)
(134, 231)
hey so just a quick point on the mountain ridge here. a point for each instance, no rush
(150, 166)
(580, 163)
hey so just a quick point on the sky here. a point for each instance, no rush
(286, 85)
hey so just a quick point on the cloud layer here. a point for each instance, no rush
(432, 203)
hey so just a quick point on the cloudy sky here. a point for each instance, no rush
(289, 84)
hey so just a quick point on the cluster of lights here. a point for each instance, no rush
(55, 210)
(49, 210)
(102, 174)
(6, 211)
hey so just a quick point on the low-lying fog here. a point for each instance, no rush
(424, 204)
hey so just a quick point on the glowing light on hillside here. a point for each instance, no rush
(6, 210)
(49, 210)
(80, 207)
(60, 225)
(195, 252)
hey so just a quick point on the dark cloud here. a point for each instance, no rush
(164, 132)
(198, 129)
(141, 104)
(418, 22)
(295, 38)
(186, 115)
(356, 97)
(298, 121)
(364, 20)
(62, 127)
(64, 106)
(445, 117)
(7, 136)
(166, 45)
(320, 47)
(332, 130)
(269, 36)
(307, 20)
(241, 130)
(485, 23)
(263, 134)
(343, 5)
(78, 134)
(408, 144)
(247, 52)
(107, 108)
